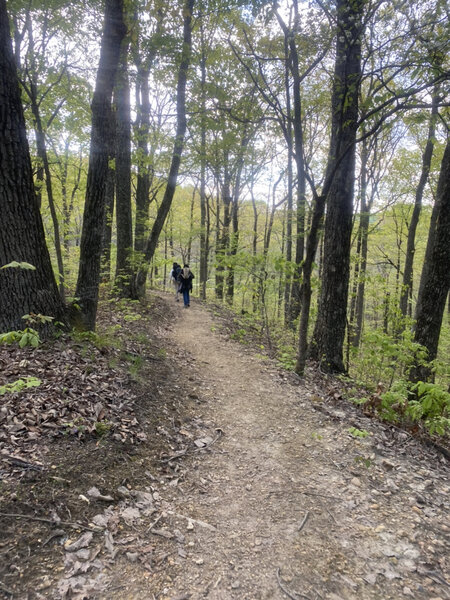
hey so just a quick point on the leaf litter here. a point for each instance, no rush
(65, 443)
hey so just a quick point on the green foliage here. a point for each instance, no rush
(240, 335)
(132, 317)
(101, 340)
(21, 265)
(28, 336)
(102, 428)
(384, 356)
(425, 403)
(358, 433)
(33, 319)
(25, 337)
(128, 308)
(19, 385)
(287, 357)
(432, 406)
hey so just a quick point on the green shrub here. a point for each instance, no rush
(424, 403)
(24, 337)
(19, 385)
(358, 433)
(384, 357)
(432, 406)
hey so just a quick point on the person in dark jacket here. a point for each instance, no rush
(185, 279)
(174, 277)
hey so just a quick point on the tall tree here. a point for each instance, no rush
(163, 210)
(108, 218)
(406, 292)
(203, 233)
(435, 283)
(124, 222)
(32, 77)
(22, 239)
(329, 333)
(144, 58)
(375, 155)
(292, 63)
(114, 30)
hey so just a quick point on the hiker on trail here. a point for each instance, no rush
(175, 278)
(186, 277)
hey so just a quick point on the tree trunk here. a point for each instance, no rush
(124, 274)
(94, 210)
(108, 224)
(191, 225)
(329, 333)
(43, 170)
(357, 313)
(281, 279)
(163, 210)
(43, 157)
(224, 237)
(69, 202)
(142, 128)
(234, 241)
(306, 289)
(295, 302)
(406, 292)
(435, 282)
(255, 291)
(143, 178)
(203, 236)
(22, 238)
(290, 192)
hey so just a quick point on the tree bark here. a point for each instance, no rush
(306, 289)
(108, 220)
(329, 332)
(295, 302)
(22, 238)
(94, 210)
(234, 240)
(68, 202)
(124, 223)
(203, 234)
(43, 171)
(141, 130)
(255, 279)
(290, 193)
(224, 237)
(143, 177)
(435, 282)
(43, 156)
(191, 225)
(357, 310)
(406, 292)
(163, 211)
(234, 243)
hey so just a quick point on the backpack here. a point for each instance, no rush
(177, 273)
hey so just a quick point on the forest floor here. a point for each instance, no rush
(221, 477)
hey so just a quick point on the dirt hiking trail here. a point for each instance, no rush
(224, 476)
(282, 501)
